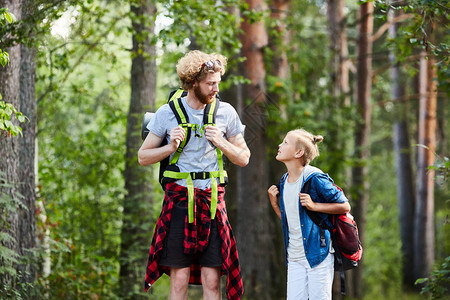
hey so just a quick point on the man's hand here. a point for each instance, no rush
(177, 135)
(234, 148)
(214, 135)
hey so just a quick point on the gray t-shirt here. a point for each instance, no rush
(199, 154)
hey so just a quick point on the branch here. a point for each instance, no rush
(388, 24)
(92, 45)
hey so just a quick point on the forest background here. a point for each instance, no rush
(77, 76)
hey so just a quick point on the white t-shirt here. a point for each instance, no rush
(295, 248)
(199, 155)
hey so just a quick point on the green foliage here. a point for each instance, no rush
(7, 110)
(382, 245)
(4, 58)
(6, 17)
(212, 26)
(8, 205)
(442, 168)
(83, 94)
(11, 283)
(437, 285)
(425, 31)
(304, 99)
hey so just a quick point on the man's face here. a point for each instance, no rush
(206, 90)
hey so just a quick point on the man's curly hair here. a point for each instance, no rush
(190, 67)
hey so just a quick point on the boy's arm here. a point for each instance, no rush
(273, 196)
(328, 208)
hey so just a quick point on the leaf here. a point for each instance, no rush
(421, 280)
(8, 110)
(423, 146)
(10, 17)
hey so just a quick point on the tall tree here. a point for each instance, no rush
(137, 222)
(424, 214)
(338, 44)
(362, 132)
(253, 212)
(402, 152)
(27, 155)
(10, 164)
(278, 69)
(339, 74)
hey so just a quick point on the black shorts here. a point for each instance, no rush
(173, 254)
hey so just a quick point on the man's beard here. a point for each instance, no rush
(203, 98)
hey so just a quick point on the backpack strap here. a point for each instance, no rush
(183, 120)
(319, 221)
(317, 218)
(209, 118)
(209, 115)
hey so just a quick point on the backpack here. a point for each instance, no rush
(168, 169)
(344, 237)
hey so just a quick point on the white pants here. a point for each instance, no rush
(304, 282)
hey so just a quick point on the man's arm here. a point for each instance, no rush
(234, 148)
(151, 152)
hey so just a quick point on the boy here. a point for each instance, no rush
(307, 249)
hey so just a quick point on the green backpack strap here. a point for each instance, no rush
(209, 118)
(209, 115)
(182, 118)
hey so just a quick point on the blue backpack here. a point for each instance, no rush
(344, 237)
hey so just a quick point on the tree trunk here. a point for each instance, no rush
(340, 77)
(137, 206)
(232, 95)
(9, 162)
(403, 164)
(338, 38)
(424, 215)
(27, 159)
(362, 133)
(279, 70)
(253, 213)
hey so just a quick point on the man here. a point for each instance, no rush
(193, 241)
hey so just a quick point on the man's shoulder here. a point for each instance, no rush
(226, 108)
(164, 112)
(226, 105)
(164, 108)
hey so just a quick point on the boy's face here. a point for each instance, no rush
(206, 90)
(287, 150)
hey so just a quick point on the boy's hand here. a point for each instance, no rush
(273, 193)
(306, 201)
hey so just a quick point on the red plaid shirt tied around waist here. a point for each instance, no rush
(196, 238)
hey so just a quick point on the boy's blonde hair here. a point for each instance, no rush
(308, 143)
(192, 68)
